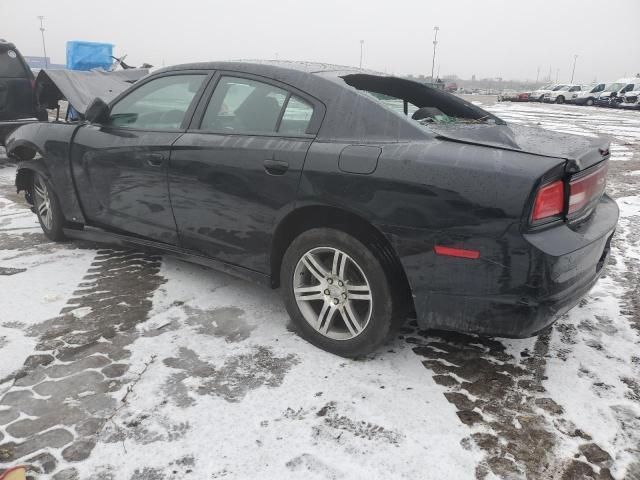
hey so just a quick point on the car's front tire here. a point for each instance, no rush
(337, 292)
(589, 102)
(47, 208)
(560, 99)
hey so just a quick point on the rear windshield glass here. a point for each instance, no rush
(419, 102)
(10, 65)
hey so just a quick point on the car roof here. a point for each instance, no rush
(6, 45)
(265, 67)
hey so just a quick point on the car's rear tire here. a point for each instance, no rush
(47, 208)
(560, 99)
(337, 292)
(589, 102)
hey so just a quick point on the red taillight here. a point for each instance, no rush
(456, 252)
(584, 189)
(549, 201)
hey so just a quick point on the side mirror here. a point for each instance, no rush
(97, 112)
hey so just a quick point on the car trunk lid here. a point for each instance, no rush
(580, 152)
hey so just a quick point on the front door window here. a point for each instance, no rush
(160, 104)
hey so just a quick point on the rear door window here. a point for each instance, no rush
(244, 106)
(296, 117)
(10, 65)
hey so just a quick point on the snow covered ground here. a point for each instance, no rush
(124, 365)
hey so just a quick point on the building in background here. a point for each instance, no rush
(38, 63)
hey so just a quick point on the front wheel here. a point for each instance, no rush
(337, 292)
(560, 99)
(47, 208)
(589, 102)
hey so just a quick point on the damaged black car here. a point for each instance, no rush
(365, 198)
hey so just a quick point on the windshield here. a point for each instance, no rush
(560, 87)
(614, 87)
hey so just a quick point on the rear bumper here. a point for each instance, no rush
(562, 265)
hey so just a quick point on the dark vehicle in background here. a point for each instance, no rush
(613, 93)
(587, 95)
(17, 100)
(364, 197)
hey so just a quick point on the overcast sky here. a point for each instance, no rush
(488, 38)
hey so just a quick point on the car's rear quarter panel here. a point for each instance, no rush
(433, 192)
(447, 193)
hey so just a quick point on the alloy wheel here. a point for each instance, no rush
(332, 293)
(42, 202)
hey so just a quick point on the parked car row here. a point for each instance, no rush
(624, 93)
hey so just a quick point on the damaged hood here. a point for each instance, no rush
(80, 88)
(580, 152)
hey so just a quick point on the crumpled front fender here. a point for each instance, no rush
(45, 148)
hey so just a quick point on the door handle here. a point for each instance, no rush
(275, 167)
(154, 159)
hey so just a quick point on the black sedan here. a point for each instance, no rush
(366, 198)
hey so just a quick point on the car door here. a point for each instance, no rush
(235, 173)
(120, 168)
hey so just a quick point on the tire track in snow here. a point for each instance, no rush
(65, 392)
(503, 401)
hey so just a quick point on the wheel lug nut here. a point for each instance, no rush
(326, 292)
(330, 281)
(336, 301)
(340, 283)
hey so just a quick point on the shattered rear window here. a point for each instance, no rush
(418, 102)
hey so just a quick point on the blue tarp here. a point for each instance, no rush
(89, 55)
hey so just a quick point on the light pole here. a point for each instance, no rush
(361, 49)
(538, 74)
(433, 61)
(44, 47)
(575, 59)
(557, 74)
